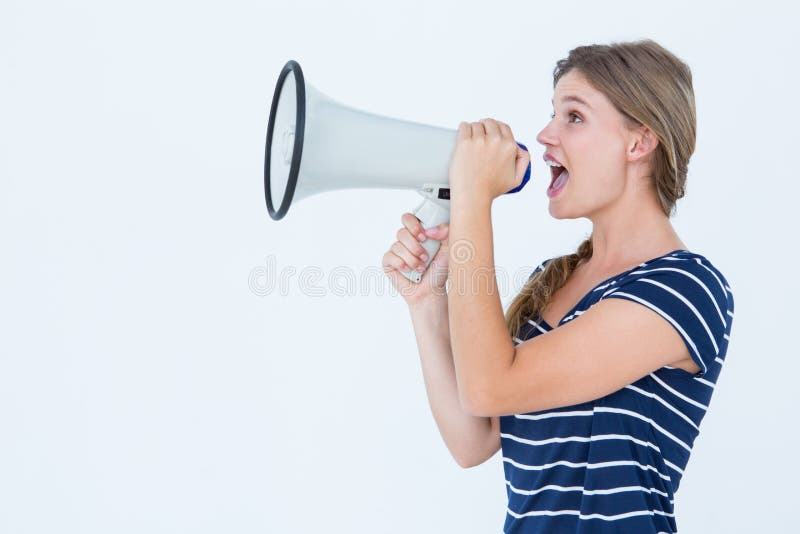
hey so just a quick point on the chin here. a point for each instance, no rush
(558, 210)
(561, 215)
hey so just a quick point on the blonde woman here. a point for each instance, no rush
(595, 380)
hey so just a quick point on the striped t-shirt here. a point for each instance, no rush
(613, 465)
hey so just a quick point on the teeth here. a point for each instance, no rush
(552, 163)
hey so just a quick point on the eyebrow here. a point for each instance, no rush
(573, 98)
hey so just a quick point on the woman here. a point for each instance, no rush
(595, 381)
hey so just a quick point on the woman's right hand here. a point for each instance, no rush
(405, 254)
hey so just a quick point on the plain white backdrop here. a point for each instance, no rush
(149, 382)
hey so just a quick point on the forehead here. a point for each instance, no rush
(575, 87)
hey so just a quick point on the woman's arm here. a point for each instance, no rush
(471, 439)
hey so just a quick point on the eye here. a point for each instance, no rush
(553, 115)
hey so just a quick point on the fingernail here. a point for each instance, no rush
(432, 230)
(421, 268)
(423, 257)
(421, 236)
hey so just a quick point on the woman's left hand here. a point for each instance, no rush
(487, 162)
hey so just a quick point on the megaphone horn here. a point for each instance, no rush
(316, 144)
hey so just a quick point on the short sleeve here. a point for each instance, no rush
(692, 297)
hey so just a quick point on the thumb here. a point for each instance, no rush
(439, 232)
(523, 159)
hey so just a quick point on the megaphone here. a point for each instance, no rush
(316, 144)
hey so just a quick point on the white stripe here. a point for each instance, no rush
(624, 489)
(537, 326)
(643, 264)
(589, 516)
(703, 381)
(553, 487)
(678, 394)
(544, 488)
(722, 286)
(544, 466)
(607, 409)
(611, 283)
(689, 304)
(718, 360)
(583, 439)
(626, 515)
(516, 339)
(672, 466)
(587, 465)
(627, 462)
(665, 403)
(726, 336)
(569, 317)
(730, 313)
(667, 317)
(553, 414)
(693, 277)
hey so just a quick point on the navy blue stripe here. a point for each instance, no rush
(639, 437)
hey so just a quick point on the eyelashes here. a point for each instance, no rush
(553, 116)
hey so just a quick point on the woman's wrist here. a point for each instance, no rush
(432, 301)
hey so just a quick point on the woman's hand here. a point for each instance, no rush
(486, 162)
(405, 254)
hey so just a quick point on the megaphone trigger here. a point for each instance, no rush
(431, 212)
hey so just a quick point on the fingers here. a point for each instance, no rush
(413, 225)
(492, 127)
(489, 129)
(505, 130)
(411, 244)
(478, 129)
(464, 131)
(407, 252)
(393, 261)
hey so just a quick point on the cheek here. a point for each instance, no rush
(597, 181)
(605, 187)
(603, 168)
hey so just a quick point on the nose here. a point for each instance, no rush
(547, 135)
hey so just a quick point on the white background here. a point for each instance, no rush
(146, 387)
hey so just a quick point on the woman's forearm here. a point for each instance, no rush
(468, 437)
(482, 347)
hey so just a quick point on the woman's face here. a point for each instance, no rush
(589, 138)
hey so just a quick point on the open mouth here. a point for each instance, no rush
(555, 172)
(558, 176)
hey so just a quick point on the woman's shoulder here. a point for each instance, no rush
(679, 265)
(689, 264)
(681, 277)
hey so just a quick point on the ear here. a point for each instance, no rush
(642, 143)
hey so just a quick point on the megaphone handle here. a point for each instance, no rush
(430, 213)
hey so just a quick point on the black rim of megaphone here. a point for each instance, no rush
(297, 152)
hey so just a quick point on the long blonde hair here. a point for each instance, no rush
(649, 86)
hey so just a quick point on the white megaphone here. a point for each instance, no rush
(315, 144)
